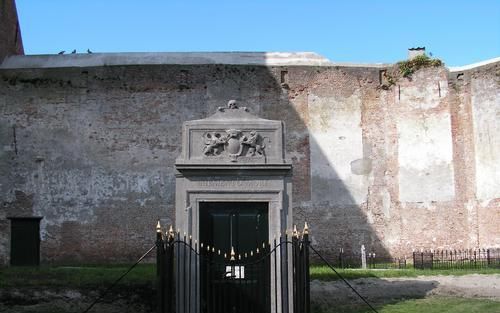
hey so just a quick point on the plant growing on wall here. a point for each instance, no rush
(408, 67)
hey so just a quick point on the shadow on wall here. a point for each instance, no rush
(322, 108)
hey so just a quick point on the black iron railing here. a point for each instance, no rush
(195, 278)
(457, 259)
(424, 259)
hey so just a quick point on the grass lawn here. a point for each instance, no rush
(427, 305)
(76, 276)
(326, 274)
(90, 276)
(98, 277)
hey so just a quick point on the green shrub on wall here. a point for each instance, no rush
(407, 68)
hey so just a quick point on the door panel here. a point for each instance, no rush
(243, 282)
(242, 225)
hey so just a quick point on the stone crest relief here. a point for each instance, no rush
(233, 144)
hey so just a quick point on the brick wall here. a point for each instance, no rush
(92, 151)
(10, 34)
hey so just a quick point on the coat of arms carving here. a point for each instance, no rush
(233, 144)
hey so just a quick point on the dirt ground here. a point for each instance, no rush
(385, 290)
(323, 294)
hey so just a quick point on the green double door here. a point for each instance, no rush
(242, 284)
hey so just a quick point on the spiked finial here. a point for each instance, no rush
(295, 232)
(233, 254)
(171, 232)
(158, 227)
(306, 229)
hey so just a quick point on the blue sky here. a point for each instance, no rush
(459, 32)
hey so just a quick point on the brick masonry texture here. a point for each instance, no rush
(10, 33)
(92, 151)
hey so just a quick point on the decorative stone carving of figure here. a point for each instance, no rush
(252, 142)
(213, 143)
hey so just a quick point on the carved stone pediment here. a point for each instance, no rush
(233, 136)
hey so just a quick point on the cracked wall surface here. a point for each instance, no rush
(91, 149)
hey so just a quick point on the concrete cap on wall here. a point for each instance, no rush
(151, 58)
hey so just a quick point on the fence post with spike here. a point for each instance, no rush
(295, 250)
(307, 298)
(169, 271)
(159, 268)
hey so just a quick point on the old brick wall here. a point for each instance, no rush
(10, 33)
(92, 151)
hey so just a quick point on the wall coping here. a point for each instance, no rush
(194, 58)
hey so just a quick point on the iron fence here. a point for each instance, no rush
(439, 259)
(351, 260)
(377, 262)
(195, 278)
(457, 259)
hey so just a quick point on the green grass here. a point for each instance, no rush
(326, 274)
(89, 276)
(76, 276)
(101, 276)
(427, 305)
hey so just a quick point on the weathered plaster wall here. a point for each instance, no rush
(485, 113)
(339, 172)
(92, 150)
(10, 34)
(425, 146)
(485, 103)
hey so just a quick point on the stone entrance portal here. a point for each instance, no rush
(233, 156)
(233, 193)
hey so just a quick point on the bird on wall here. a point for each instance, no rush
(73, 52)
(61, 52)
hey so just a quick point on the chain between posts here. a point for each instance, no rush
(268, 276)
